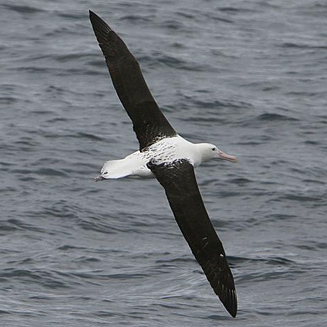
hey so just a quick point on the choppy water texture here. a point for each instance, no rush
(249, 76)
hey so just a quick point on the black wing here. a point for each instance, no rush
(185, 200)
(149, 123)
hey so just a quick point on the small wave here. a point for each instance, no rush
(275, 117)
(302, 46)
(240, 181)
(173, 24)
(274, 260)
(23, 9)
(136, 18)
(27, 174)
(71, 15)
(50, 172)
(7, 226)
(8, 100)
(222, 104)
(305, 198)
(75, 57)
(312, 245)
(97, 227)
(158, 59)
(18, 224)
(49, 279)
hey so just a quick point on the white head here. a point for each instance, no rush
(210, 151)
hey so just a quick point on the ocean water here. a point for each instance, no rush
(249, 76)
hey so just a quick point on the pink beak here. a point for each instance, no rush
(225, 156)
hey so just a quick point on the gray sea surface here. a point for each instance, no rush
(248, 76)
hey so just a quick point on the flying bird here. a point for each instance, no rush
(170, 158)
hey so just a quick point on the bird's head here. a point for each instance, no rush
(210, 151)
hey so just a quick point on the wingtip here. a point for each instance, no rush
(100, 27)
(91, 14)
(232, 312)
(231, 303)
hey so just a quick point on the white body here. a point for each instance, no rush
(165, 150)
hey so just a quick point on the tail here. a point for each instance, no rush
(114, 169)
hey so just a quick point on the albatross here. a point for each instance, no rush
(170, 158)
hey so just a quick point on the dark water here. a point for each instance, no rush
(249, 76)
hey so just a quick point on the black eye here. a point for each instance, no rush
(213, 149)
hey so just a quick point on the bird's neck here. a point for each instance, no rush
(200, 154)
